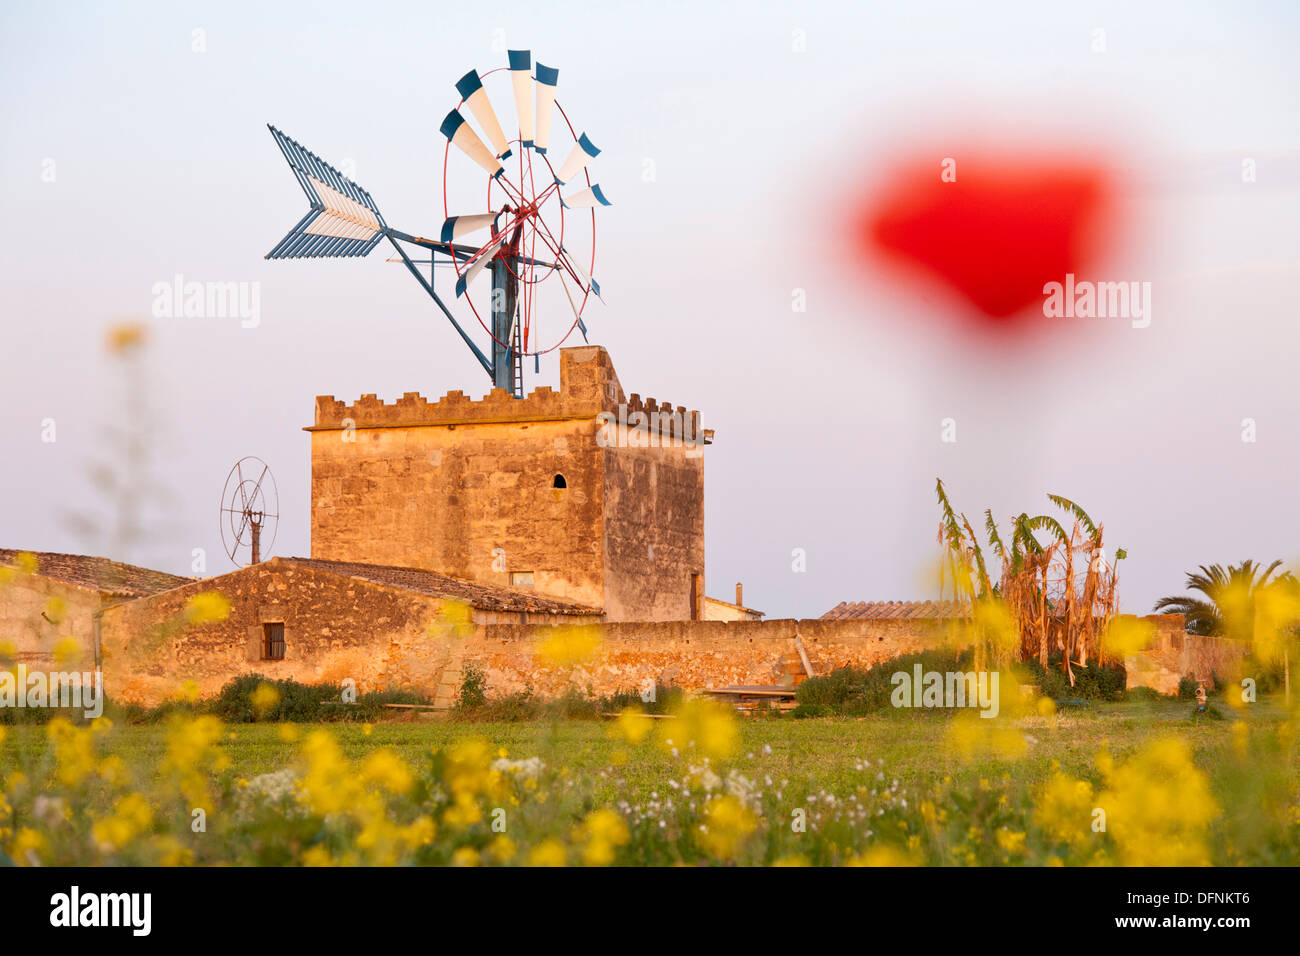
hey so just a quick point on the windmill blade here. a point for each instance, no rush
(466, 140)
(547, 79)
(587, 281)
(343, 220)
(458, 226)
(572, 305)
(480, 262)
(584, 151)
(521, 78)
(591, 196)
(470, 88)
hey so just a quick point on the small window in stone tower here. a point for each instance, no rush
(521, 579)
(559, 482)
(273, 642)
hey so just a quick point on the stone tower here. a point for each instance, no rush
(582, 494)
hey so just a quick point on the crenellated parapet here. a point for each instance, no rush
(660, 419)
(588, 386)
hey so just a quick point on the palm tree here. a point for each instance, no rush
(1228, 608)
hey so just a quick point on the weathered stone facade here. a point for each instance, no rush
(695, 655)
(384, 637)
(47, 599)
(29, 634)
(593, 497)
(336, 626)
(1174, 654)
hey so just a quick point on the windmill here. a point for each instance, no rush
(250, 506)
(533, 228)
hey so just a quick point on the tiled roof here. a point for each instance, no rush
(99, 574)
(738, 607)
(485, 597)
(922, 610)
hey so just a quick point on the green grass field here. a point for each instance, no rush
(896, 788)
(818, 754)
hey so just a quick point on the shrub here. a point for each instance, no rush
(300, 703)
(851, 692)
(473, 688)
(1146, 695)
(525, 705)
(666, 698)
(1094, 682)
(802, 711)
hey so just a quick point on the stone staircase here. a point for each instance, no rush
(450, 677)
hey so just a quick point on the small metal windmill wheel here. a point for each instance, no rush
(250, 509)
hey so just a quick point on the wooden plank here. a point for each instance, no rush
(412, 706)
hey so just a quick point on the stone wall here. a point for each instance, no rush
(335, 628)
(27, 614)
(693, 655)
(383, 637)
(1173, 654)
(654, 527)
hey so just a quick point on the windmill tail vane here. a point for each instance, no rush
(533, 222)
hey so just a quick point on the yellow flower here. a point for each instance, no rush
(191, 754)
(1063, 808)
(604, 831)
(569, 646)
(1159, 807)
(463, 812)
(131, 816)
(501, 849)
(328, 785)
(171, 852)
(973, 736)
(388, 770)
(797, 860)
(419, 832)
(28, 848)
(209, 607)
(263, 699)
(1277, 611)
(317, 856)
(188, 692)
(881, 856)
(707, 727)
(994, 620)
(1010, 842)
(125, 336)
(289, 733)
(465, 856)
(74, 751)
(1126, 636)
(113, 770)
(453, 617)
(632, 725)
(727, 824)
(467, 770)
(56, 609)
(67, 652)
(549, 852)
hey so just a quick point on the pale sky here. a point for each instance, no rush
(129, 157)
